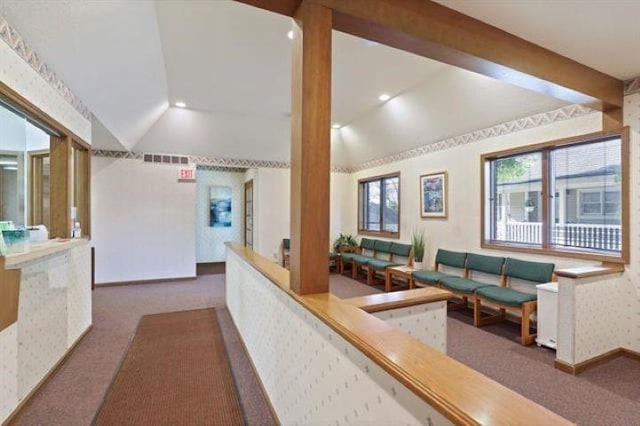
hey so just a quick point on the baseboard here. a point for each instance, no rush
(154, 281)
(575, 369)
(255, 372)
(27, 399)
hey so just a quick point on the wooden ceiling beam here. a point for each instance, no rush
(283, 7)
(437, 32)
(434, 31)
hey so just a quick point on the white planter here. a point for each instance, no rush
(417, 265)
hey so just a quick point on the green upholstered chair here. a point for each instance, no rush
(465, 287)
(452, 259)
(285, 248)
(504, 297)
(387, 254)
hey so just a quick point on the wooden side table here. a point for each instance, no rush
(404, 271)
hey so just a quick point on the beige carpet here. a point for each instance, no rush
(176, 371)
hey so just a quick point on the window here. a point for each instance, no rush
(564, 197)
(379, 205)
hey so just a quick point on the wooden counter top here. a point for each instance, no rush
(399, 299)
(460, 393)
(38, 250)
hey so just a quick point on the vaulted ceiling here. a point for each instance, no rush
(230, 63)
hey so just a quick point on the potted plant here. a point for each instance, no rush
(417, 244)
(344, 242)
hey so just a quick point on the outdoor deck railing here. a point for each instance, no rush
(590, 236)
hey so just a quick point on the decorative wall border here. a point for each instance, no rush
(542, 119)
(221, 169)
(15, 41)
(632, 86)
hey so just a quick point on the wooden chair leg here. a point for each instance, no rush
(369, 275)
(477, 311)
(526, 337)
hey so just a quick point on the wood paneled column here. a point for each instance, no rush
(310, 149)
(61, 178)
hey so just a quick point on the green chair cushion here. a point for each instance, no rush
(333, 256)
(451, 258)
(351, 257)
(399, 249)
(367, 243)
(382, 246)
(487, 264)
(363, 260)
(429, 276)
(530, 271)
(380, 265)
(462, 284)
(505, 295)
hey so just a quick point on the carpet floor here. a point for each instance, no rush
(605, 395)
(176, 371)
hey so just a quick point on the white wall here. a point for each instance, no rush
(461, 231)
(21, 77)
(210, 241)
(143, 221)
(272, 208)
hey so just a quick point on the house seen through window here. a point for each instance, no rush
(566, 197)
(378, 207)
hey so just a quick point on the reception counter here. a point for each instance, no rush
(45, 308)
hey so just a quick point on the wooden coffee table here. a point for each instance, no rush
(404, 271)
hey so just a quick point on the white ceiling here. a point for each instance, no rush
(129, 60)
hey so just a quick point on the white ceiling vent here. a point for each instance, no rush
(166, 159)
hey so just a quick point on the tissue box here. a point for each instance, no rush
(16, 240)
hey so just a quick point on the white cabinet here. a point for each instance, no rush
(547, 315)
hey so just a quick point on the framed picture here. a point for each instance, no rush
(220, 206)
(433, 195)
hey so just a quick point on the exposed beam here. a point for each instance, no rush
(283, 7)
(310, 149)
(429, 29)
(432, 30)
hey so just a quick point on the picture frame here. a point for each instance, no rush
(433, 195)
(220, 206)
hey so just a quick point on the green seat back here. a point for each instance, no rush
(401, 249)
(367, 243)
(451, 258)
(487, 264)
(382, 246)
(530, 271)
(286, 243)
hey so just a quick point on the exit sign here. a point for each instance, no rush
(186, 174)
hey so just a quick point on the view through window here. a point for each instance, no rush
(379, 206)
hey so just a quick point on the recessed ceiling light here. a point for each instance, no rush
(384, 97)
(336, 125)
(181, 105)
(290, 35)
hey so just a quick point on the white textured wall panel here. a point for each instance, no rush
(311, 374)
(427, 323)
(8, 370)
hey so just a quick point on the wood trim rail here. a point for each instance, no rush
(460, 393)
(591, 271)
(399, 299)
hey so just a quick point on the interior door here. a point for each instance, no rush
(248, 214)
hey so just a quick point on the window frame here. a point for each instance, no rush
(360, 206)
(546, 248)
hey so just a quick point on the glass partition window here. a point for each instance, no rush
(379, 205)
(565, 197)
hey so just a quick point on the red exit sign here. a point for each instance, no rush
(186, 174)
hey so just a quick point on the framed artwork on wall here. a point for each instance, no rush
(433, 195)
(220, 206)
